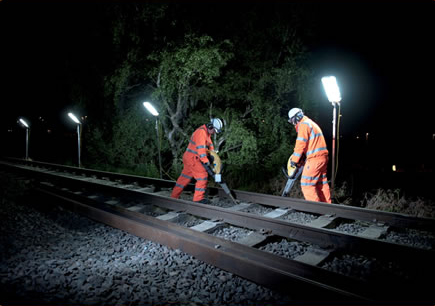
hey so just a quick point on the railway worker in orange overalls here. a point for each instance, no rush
(194, 160)
(311, 143)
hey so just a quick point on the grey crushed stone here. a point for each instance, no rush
(55, 256)
(298, 217)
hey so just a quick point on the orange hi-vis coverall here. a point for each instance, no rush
(195, 154)
(310, 141)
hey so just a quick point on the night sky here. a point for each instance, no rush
(381, 52)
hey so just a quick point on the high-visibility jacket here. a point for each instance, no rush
(199, 143)
(310, 141)
(196, 153)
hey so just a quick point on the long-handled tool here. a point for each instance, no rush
(290, 181)
(215, 171)
(292, 174)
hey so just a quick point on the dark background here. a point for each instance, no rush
(381, 53)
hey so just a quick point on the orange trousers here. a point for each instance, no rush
(314, 183)
(192, 169)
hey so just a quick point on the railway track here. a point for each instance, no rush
(332, 251)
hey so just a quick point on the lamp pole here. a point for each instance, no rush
(158, 144)
(155, 113)
(26, 126)
(74, 118)
(334, 131)
(334, 96)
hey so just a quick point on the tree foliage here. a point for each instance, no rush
(182, 77)
(249, 73)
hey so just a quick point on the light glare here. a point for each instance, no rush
(331, 89)
(150, 108)
(74, 118)
(24, 123)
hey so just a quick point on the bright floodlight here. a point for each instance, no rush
(74, 118)
(24, 123)
(331, 89)
(150, 108)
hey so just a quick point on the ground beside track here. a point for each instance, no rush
(49, 256)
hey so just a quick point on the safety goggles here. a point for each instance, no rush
(292, 121)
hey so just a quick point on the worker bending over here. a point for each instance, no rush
(311, 143)
(194, 160)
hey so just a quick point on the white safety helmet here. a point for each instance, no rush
(216, 124)
(295, 115)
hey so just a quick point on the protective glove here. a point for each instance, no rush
(294, 170)
(208, 169)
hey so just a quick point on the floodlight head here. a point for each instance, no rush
(151, 108)
(24, 123)
(331, 89)
(74, 118)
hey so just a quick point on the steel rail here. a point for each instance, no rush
(342, 211)
(369, 291)
(324, 238)
(318, 236)
(264, 268)
(126, 178)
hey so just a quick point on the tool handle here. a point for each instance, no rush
(208, 169)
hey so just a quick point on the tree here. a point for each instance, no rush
(249, 72)
(266, 77)
(182, 78)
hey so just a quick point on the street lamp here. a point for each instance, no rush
(26, 126)
(74, 118)
(155, 113)
(334, 96)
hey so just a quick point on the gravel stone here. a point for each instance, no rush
(420, 239)
(285, 248)
(53, 256)
(353, 228)
(231, 233)
(257, 209)
(365, 268)
(298, 217)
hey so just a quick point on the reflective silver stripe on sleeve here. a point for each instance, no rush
(307, 123)
(315, 135)
(200, 189)
(186, 176)
(202, 179)
(316, 150)
(191, 151)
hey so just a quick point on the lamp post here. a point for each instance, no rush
(334, 96)
(74, 118)
(26, 126)
(155, 113)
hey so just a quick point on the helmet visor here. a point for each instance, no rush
(217, 125)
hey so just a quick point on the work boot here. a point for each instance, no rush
(204, 201)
